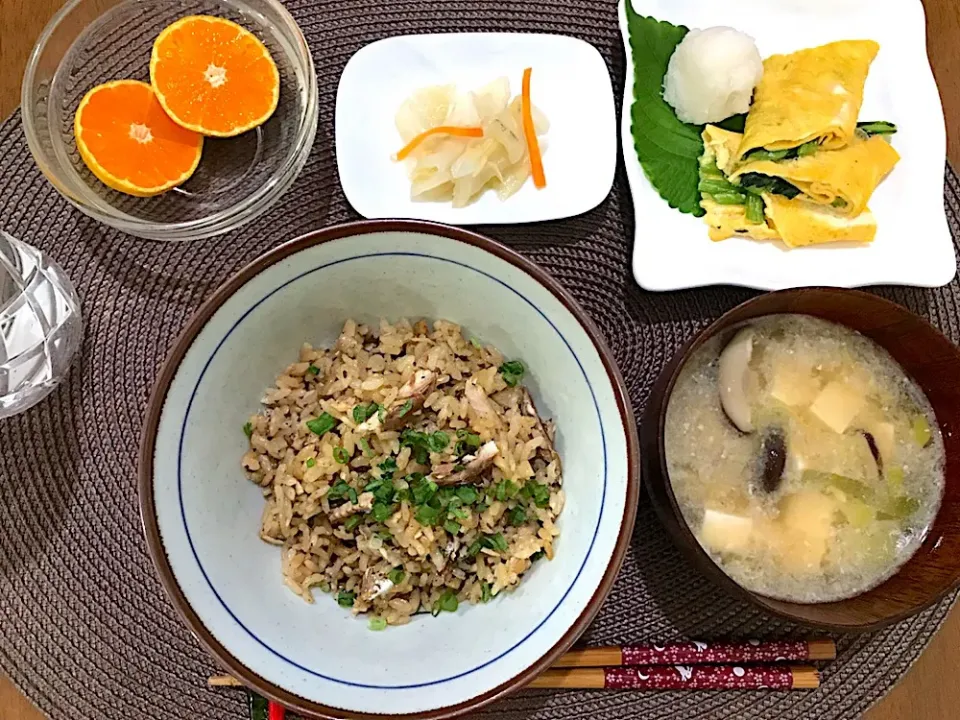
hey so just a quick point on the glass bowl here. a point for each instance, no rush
(93, 41)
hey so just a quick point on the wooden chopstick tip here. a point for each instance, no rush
(805, 677)
(822, 649)
(578, 678)
(223, 681)
(590, 657)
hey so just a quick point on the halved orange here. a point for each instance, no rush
(213, 76)
(128, 141)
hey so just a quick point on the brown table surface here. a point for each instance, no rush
(923, 694)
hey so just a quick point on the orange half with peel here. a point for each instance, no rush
(130, 144)
(213, 76)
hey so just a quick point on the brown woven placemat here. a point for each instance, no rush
(85, 629)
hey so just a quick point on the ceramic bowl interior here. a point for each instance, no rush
(202, 516)
(95, 41)
(932, 361)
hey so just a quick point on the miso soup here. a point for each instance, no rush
(806, 462)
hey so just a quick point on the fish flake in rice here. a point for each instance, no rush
(453, 499)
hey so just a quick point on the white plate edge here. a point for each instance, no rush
(703, 277)
(603, 189)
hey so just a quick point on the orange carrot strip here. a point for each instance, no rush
(467, 132)
(530, 132)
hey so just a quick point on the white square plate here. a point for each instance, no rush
(570, 84)
(913, 244)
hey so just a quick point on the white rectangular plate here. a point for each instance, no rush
(913, 244)
(570, 84)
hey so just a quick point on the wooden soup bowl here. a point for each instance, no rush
(931, 360)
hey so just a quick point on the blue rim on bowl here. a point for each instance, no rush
(149, 441)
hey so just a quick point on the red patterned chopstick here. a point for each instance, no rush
(699, 653)
(682, 677)
(692, 665)
(657, 677)
(660, 677)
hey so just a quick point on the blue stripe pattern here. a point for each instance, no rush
(183, 514)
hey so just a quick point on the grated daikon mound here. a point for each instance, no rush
(712, 74)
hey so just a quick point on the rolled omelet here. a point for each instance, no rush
(800, 222)
(843, 179)
(721, 145)
(810, 95)
(727, 221)
(797, 223)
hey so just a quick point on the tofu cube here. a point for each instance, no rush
(794, 387)
(837, 405)
(806, 522)
(722, 532)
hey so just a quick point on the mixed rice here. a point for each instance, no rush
(404, 470)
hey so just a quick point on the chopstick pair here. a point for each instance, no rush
(691, 665)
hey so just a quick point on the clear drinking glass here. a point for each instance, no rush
(40, 326)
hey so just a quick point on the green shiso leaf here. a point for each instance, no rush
(734, 123)
(668, 149)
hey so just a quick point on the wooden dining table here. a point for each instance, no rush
(927, 692)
